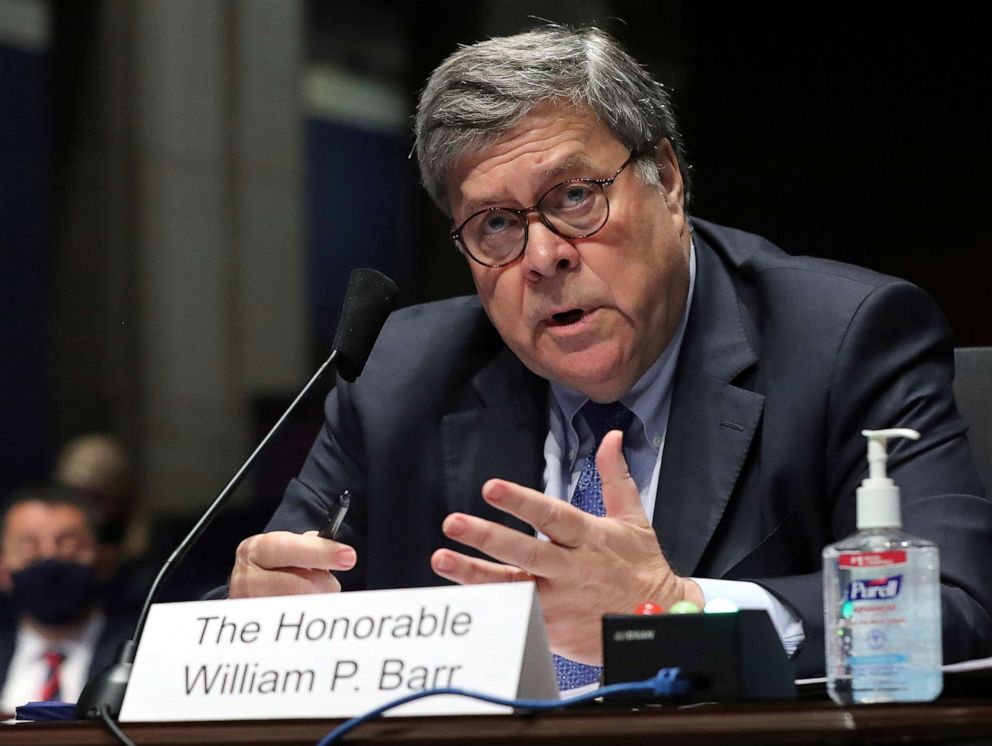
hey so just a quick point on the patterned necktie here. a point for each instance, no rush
(588, 496)
(51, 690)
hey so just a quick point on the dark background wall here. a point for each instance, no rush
(25, 262)
(855, 136)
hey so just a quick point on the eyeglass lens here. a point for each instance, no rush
(573, 209)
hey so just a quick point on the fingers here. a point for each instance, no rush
(561, 522)
(472, 571)
(285, 549)
(621, 498)
(506, 545)
(564, 524)
(282, 563)
(250, 582)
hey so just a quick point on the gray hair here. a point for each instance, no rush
(483, 90)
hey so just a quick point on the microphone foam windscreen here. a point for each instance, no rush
(370, 298)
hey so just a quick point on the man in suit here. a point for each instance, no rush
(48, 566)
(741, 378)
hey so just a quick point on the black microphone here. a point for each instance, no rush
(368, 301)
(370, 298)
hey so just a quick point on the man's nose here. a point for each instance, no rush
(547, 253)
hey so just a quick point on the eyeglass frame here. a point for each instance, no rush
(523, 212)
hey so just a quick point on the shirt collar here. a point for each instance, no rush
(85, 637)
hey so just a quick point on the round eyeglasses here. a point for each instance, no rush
(497, 236)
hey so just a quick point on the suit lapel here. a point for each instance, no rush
(711, 423)
(496, 428)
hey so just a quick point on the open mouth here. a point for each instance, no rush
(567, 318)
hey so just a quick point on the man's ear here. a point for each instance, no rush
(670, 175)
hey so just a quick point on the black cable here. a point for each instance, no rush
(113, 727)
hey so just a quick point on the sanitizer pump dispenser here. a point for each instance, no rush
(881, 598)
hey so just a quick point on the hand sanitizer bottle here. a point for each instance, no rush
(881, 598)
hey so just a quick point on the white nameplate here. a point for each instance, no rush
(340, 654)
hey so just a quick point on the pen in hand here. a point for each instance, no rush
(335, 517)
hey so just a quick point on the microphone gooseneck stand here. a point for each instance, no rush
(370, 298)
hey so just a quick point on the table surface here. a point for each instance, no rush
(956, 720)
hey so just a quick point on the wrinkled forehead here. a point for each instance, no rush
(551, 143)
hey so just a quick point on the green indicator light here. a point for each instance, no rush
(847, 610)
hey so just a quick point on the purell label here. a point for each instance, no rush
(874, 589)
(872, 559)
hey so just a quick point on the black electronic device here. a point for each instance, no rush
(726, 657)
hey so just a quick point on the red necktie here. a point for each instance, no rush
(52, 689)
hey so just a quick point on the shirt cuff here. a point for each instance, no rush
(787, 623)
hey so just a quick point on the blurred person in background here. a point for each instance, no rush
(97, 468)
(59, 633)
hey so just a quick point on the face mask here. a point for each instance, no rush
(54, 591)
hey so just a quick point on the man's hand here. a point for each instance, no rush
(283, 563)
(590, 566)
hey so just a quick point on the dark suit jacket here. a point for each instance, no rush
(785, 360)
(115, 631)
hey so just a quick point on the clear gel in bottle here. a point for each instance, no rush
(881, 598)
